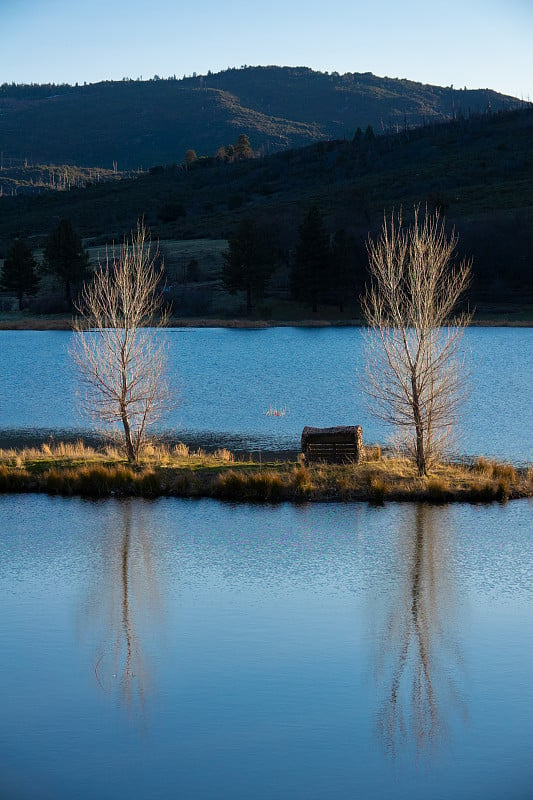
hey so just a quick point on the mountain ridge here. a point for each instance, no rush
(141, 123)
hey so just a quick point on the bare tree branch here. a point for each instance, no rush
(119, 351)
(414, 371)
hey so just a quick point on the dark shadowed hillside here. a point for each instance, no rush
(477, 171)
(141, 123)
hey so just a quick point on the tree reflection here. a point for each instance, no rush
(419, 664)
(123, 605)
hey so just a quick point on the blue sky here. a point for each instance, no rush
(472, 43)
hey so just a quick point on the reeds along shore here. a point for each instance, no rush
(75, 469)
(519, 319)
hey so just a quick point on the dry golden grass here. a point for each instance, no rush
(14, 480)
(51, 451)
(301, 481)
(264, 486)
(372, 452)
(223, 454)
(151, 454)
(53, 323)
(98, 480)
(495, 469)
(180, 450)
(79, 469)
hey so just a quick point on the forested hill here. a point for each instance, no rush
(135, 123)
(477, 171)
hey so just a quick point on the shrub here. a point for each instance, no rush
(504, 472)
(147, 482)
(502, 490)
(148, 450)
(301, 481)
(482, 465)
(229, 485)
(378, 488)
(99, 480)
(182, 485)
(346, 485)
(265, 486)
(372, 453)
(233, 485)
(70, 450)
(13, 481)
(494, 469)
(483, 492)
(223, 454)
(180, 450)
(114, 453)
(171, 211)
(438, 489)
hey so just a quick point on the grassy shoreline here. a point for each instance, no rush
(63, 322)
(78, 470)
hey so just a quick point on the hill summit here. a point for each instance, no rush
(135, 123)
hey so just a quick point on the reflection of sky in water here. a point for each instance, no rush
(227, 379)
(197, 649)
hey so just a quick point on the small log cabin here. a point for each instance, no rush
(340, 445)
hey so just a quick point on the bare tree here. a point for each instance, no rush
(119, 352)
(414, 370)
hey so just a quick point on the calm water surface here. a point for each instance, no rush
(179, 649)
(227, 379)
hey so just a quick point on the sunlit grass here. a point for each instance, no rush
(495, 469)
(77, 469)
(266, 486)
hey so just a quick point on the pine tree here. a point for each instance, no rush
(243, 148)
(247, 263)
(347, 269)
(65, 257)
(310, 277)
(19, 273)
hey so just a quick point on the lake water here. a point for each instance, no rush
(227, 379)
(196, 650)
(199, 650)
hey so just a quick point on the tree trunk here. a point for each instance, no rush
(248, 300)
(130, 451)
(420, 453)
(419, 429)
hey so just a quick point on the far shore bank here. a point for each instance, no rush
(63, 322)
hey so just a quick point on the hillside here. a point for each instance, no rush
(477, 171)
(136, 124)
